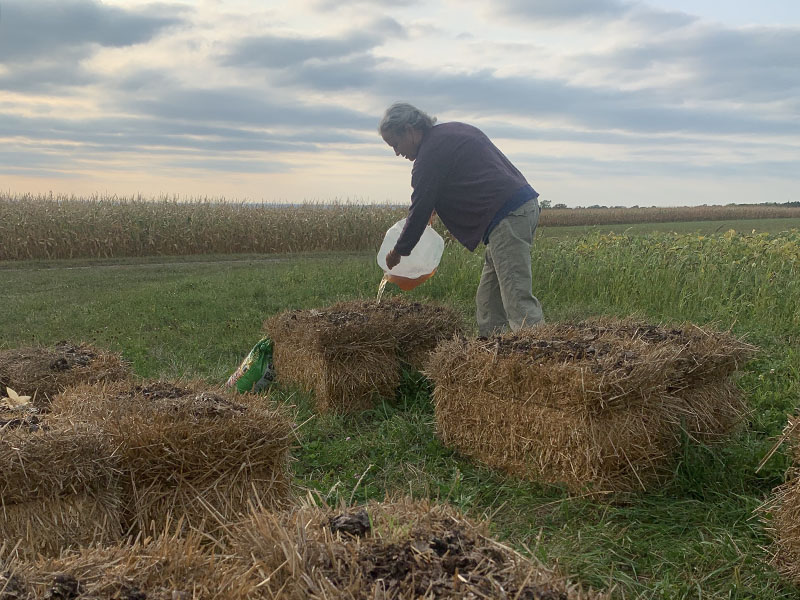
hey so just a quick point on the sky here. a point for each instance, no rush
(597, 102)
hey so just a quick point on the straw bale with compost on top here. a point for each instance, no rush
(188, 452)
(350, 353)
(59, 488)
(392, 550)
(600, 404)
(44, 371)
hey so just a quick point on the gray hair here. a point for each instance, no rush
(401, 114)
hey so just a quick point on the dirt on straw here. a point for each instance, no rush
(389, 550)
(43, 371)
(392, 550)
(352, 352)
(598, 405)
(190, 455)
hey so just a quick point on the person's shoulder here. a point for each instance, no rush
(452, 131)
(454, 127)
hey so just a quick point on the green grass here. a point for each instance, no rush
(703, 227)
(696, 537)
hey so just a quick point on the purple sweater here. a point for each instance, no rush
(463, 176)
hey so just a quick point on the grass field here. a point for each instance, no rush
(697, 537)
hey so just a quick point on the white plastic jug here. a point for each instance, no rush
(424, 258)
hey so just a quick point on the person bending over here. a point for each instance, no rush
(461, 176)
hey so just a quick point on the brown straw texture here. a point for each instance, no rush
(188, 453)
(392, 550)
(59, 488)
(42, 371)
(781, 511)
(351, 353)
(599, 405)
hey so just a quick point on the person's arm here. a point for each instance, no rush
(426, 183)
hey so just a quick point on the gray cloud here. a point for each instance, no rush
(277, 52)
(332, 5)
(601, 12)
(42, 29)
(280, 52)
(647, 167)
(44, 77)
(741, 83)
(106, 135)
(559, 10)
(241, 106)
(593, 108)
(755, 64)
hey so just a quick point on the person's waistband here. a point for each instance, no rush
(517, 199)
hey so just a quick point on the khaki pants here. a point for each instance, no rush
(504, 297)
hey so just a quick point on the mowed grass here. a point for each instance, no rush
(697, 537)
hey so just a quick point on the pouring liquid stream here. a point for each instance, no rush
(382, 286)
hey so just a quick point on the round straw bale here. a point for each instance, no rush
(186, 451)
(402, 549)
(42, 372)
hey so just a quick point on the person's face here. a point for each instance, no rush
(406, 143)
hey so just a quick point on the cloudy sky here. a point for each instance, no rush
(612, 102)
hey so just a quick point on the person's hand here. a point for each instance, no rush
(392, 258)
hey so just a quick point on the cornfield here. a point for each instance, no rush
(104, 227)
(55, 226)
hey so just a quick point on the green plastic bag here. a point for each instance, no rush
(256, 371)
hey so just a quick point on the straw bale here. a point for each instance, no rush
(390, 550)
(610, 451)
(598, 404)
(781, 511)
(700, 352)
(42, 372)
(188, 452)
(350, 353)
(712, 410)
(781, 514)
(51, 524)
(59, 486)
(345, 383)
(164, 568)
